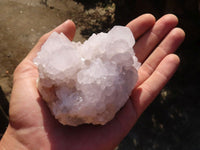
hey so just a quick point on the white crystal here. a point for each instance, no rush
(89, 82)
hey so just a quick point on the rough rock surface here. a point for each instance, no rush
(89, 82)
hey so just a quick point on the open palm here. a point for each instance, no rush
(31, 122)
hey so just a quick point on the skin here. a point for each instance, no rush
(33, 127)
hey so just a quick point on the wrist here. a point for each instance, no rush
(9, 141)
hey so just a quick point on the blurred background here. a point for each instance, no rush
(172, 121)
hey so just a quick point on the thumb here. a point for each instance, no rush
(68, 28)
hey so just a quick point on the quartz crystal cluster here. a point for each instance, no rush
(89, 82)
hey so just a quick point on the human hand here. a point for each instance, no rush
(33, 127)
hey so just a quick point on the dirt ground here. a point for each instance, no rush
(22, 22)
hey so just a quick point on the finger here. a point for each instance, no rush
(141, 24)
(143, 95)
(167, 46)
(68, 28)
(152, 38)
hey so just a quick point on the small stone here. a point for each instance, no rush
(89, 82)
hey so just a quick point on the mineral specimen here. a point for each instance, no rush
(89, 82)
